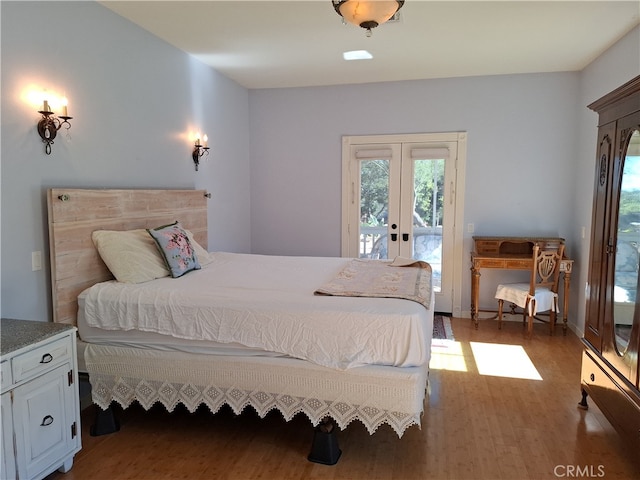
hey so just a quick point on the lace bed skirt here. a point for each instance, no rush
(372, 394)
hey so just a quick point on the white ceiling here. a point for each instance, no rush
(267, 44)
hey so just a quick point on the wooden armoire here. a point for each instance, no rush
(612, 327)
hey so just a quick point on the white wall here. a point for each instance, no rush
(134, 99)
(521, 144)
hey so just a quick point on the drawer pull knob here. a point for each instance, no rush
(46, 358)
(46, 421)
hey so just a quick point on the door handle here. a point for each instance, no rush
(405, 237)
(394, 236)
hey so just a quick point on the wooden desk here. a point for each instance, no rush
(512, 253)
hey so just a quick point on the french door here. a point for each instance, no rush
(399, 199)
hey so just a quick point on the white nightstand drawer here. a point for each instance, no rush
(5, 375)
(40, 403)
(41, 359)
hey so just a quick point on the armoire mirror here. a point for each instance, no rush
(627, 261)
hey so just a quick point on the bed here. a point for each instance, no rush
(241, 329)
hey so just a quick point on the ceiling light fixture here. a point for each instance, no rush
(367, 14)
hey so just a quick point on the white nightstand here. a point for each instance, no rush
(40, 403)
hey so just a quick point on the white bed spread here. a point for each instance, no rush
(267, 302)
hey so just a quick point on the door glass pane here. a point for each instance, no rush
(428, 190)
(374, 208)
(627, 246)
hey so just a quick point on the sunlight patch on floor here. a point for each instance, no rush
(447, 355)
(500, 360)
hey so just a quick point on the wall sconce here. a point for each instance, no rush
(49, 124)
(200, 150)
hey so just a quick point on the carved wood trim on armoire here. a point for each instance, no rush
(612, 326)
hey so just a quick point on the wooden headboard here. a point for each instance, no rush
(75, 213)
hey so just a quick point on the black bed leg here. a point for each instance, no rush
(324, 448)
(104, 423)
(583, 403)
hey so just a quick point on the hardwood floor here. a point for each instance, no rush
(475, 426)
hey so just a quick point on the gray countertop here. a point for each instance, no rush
(15, 334)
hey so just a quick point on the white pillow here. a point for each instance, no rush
(132, 256)
(204, 257)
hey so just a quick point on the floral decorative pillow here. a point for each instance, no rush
(176, 248)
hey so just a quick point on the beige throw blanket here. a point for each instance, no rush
(401, 278)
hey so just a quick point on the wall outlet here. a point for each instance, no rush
(36, 261)
(471, 228)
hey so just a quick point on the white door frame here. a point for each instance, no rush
(348, 191)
